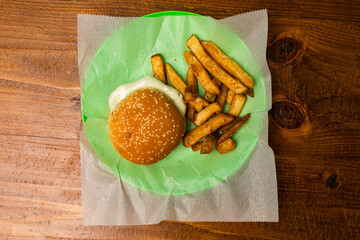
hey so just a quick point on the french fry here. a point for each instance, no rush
(201, 74)
(226, 127)
(216, 81)
(189, 95)
(191, 92)
(212, 97)
(197, 146)
(208, 144)
(191, 81)
(175, 79)
(190, 112)
(221, 99)
(230, 96)
(228, 64)
(226, 146)
(208, 127)
(206, 113)
(250, 92)
(199, 104)
(213, 67)
(209, 97)
(157, 63)
(237, 104)
(235, 125)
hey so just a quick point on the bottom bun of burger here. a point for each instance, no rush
(145, 126)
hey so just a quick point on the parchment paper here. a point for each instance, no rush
(249, 195)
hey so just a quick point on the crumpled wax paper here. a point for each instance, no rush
(248, 195)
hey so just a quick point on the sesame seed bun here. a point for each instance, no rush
(145, 126)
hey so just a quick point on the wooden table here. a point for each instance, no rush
(314, 57)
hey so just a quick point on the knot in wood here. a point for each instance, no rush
(75, 100)
(287, 115)
(332, 181)
(284, 51)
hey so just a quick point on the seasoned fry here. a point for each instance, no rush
(212, 97)
(191, 81)
(201, 74)
(209, 97)
(237, 104)
(230, 97)
(175, 79)
(190, 112)
(221, 99)
(197, 146)
(206, 113)
(228, 64)
(235, 125)
(189, 95)
(226, 127)
(208, 144)
(226, 146)
(216, 81)
(199, 104)
(213, 67)
(250, 92)
(157, 63)
(208, 127)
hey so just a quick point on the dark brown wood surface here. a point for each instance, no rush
(314, 57)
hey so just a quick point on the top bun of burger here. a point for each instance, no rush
(145, 126)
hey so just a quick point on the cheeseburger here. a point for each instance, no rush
(146, 120)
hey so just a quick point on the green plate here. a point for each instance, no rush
(125, 57)
(171, 13)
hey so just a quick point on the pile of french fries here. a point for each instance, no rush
(223, 80)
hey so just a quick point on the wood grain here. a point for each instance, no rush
(313, 54)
